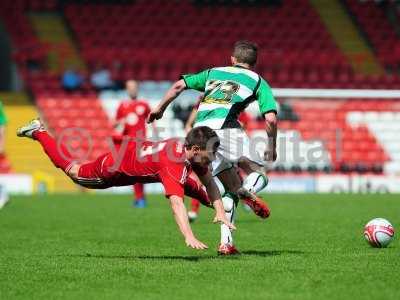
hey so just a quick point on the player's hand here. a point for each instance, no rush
(194, 243)
(155, 114)
(270, 155)
(221, 219)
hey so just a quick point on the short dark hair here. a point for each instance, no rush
(245, 52)
(204, 137)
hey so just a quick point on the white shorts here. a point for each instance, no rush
(234, 144)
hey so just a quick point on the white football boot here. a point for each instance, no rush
(192, 216)
(31, 127)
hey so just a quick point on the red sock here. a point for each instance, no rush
(195, 205)
(53, 151)
(139, 191)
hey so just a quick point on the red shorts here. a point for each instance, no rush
(97, 174)
(102, 174)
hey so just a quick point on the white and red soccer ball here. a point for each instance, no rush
(379, 232)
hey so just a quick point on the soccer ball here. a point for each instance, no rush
(378, 232)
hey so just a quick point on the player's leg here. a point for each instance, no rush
(193, 213)
(93, 175)
(229, 200)
(229, 179)
(36, 131)
(228, 182)
(256, 179)
(226, 247)
(87, 175)
(57, 153)
(196, 190)
(251, 161)
(228, 175)
(140, 200)
(248, 158)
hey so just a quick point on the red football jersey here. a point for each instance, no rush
(135, 113)
(163, 162)
(147, 162)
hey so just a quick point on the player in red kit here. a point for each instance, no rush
(169, 162)
(130, 120)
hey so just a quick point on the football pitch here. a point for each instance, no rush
(99, 247)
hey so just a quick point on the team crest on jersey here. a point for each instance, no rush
(220, 91)
(132, 118)
(140, 110)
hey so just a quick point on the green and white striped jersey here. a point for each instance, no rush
(227, 92)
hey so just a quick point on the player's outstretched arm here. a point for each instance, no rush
(170, 96)
(271, 124)
(192, 117)
(190, 120)
(215, 197)
(182, 220)
(268, 108)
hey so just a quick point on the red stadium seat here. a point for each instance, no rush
(69, 117)
(345, 143)
(303, 54)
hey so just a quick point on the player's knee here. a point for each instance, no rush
(233, 184)
(233, 187)
(228, 203)
(244, 163)
(230, 180)
(248, 166)
(73, 172)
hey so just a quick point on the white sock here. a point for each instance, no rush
(255, 182)
(226, 235)
(229, 205)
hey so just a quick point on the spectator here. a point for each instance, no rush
(101, 79)
(71, 80)
(130, 121)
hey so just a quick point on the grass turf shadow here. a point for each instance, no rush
(193, 258)
(265, 253)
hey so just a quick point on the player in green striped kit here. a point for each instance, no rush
(227, 92)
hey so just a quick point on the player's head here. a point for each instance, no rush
(201, 144)
(244, 52)
(131, 87)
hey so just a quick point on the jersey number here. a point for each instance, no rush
(226, 88)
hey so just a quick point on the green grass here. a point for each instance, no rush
(99, 247)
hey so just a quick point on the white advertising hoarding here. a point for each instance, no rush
(17, 183)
